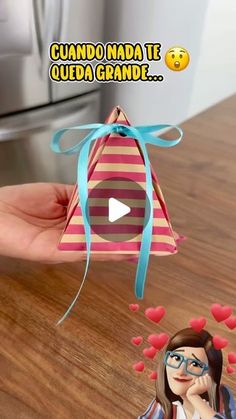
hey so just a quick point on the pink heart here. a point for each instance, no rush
(139, 366)
(155, 314)
(230, 370)
(231, 322)
(153, 375)
(220, 312)
(137, 340)
(232, 358)
(197, 324)
(219, 342)
(158, 341)
(150, 352)
(134, 307)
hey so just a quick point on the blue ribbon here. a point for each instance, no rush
(144, 136)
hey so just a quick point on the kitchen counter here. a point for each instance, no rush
(83, 368)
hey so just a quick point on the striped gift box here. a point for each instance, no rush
(118, 163)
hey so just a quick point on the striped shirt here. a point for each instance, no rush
(227, 411)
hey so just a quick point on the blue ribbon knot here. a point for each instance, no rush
(143, 135)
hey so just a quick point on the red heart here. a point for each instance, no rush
(220, 312)
(139, 367)
(155, 314)
(134, 307)
(150, 352)
(158, 341)
(231, 322)
(219, 342)
(232, 358)
(137, 340)
(230, 370)
(153, 375)
(197, 324)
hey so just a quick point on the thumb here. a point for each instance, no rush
(63, 193)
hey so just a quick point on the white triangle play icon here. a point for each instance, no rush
(117, 209)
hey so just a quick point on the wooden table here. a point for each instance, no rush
(83, 368)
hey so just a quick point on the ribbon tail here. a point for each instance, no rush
(76, 297)
(147, 231)
(83, 196)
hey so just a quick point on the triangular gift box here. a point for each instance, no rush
(117, 157)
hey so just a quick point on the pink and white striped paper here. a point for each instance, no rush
(118, 157)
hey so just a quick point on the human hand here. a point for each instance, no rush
(32, 218)
(200, 386)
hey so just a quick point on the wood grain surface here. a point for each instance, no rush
(83, 368)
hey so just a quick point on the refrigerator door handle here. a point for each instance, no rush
(62, 10)
(38, 24)
(50, 19)
(63, 20)
(70, 119)
(47, 19)
(54, 122)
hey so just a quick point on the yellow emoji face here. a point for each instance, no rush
(177, 58)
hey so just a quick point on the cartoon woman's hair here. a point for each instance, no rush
(188, 337)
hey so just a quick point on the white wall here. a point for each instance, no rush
(199, 26)
(215, 75)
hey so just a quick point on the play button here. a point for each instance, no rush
(116, 210)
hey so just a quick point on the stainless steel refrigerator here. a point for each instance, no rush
(31, 105)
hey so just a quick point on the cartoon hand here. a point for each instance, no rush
(201, 385)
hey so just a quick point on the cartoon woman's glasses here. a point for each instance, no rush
(192, 366)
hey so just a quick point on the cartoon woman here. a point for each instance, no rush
(188, 383)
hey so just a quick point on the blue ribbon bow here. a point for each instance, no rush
(144, 136)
